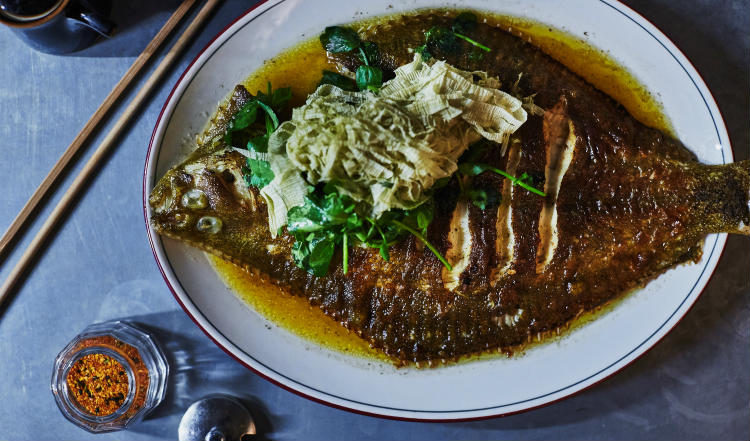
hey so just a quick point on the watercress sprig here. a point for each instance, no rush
(469, 165)
(338, 39)
(329, 219)
(473, 169)
(368, 77)
(338, 80)
(257, 173)
(446, 39)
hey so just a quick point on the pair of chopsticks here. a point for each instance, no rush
(109, 141)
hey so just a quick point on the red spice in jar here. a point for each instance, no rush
(99, 383)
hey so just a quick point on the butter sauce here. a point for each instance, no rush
(300, 68)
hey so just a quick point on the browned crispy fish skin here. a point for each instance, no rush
(630, 203)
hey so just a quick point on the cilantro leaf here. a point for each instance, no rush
(314, 254)
(369, 78)
(446, 40)
(484, 197)
(477, 197)
(473, 169)
(329, 219)
(270, 103)
(423, 51)
(420, 217)
(321, 253)
(241, 120)
(280, 97)
(258, 143)
(318, 227)
(337, 39)
(246, 116)
(442, 38)
(305, 218)
(369, 53)
(338, 80)
(259, 173)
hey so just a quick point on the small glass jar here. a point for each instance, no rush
(123, 365)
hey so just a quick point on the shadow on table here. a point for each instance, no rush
(197, 368)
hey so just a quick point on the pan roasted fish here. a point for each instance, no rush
(623, 204)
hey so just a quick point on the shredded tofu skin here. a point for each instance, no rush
(386, 150)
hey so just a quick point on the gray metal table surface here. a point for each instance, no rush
(695, 384)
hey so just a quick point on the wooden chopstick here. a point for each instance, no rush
(101, 152)
(46, 186)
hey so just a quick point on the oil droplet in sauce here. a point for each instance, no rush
(295, 313)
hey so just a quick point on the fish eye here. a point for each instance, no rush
(194, 199)
(181, 220)
(209, 224)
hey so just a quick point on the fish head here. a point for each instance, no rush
(204, 199)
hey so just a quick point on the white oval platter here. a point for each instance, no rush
(479, 389)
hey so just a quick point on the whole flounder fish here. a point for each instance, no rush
(623, 204)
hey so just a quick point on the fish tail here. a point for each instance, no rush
(725, 198)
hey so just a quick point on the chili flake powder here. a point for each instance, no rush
(98, 383)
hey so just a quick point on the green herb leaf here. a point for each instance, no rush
(280, 97)
(258, 143)
(369, 53)
(442, 38)
(369, 78)
(321, 253)
(477, 197)
(476, 55)
(464, 22)
(337, 39)
(270, 103)
(314, 254)
(259, 173)
(305, 218)
(474, 42)
(271, 114)
(329, 220)
(422, 50)
(446, 40)
(338, 80)
(320, 225)
(246, 116)
(275, 99)
(473, 169)
(430, 246)
(420, 217)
